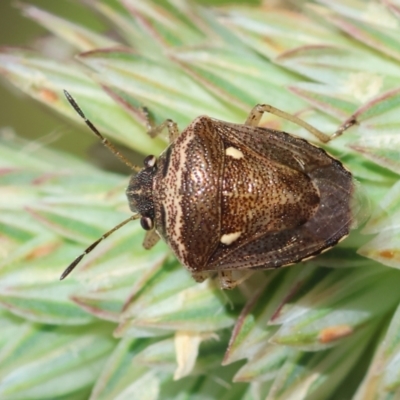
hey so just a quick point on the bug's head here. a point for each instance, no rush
(140, 192)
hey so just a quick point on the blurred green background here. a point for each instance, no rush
(28, 118)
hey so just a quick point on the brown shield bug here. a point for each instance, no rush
(236, 197)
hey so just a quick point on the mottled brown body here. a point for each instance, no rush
(233, 197)
(229, 196)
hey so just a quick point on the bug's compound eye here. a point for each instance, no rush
(147, 223)
(150, 161)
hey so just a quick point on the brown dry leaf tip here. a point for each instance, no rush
(388, 254)
(48, 95)
(42, 251)
(333, 333)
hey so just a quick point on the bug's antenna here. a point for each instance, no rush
(93, 245)
(105, 141)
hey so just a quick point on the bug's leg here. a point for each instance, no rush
(200, 276)
(154, 131)
(256, 113)
(226, 280)
(230, 279)
(150, 239)
(346, 125)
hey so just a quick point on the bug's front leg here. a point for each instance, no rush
(153, 131)
(150, 239)
(200, 276)
(256, 113)
(230, 279)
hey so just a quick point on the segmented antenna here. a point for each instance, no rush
(94, 245)
(104, 140)
(111, 147)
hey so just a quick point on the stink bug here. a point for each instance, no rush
(235, 197)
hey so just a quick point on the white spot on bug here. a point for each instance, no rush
(229, 238)
(233, 152)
